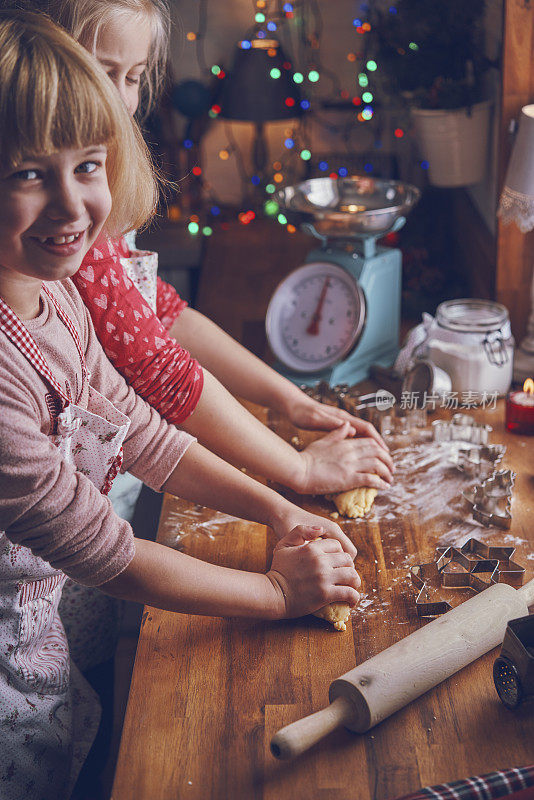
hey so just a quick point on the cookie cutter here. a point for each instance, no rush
(509, 571)
(475, 560)
(381, 410)
(471, 459)
(491, 500)
(436, 571)
(461, 427)
(324, 393)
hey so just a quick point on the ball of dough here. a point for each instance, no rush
(336, 613)
(356, 502)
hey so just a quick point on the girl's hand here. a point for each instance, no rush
(309, 414)
(307, 572)
(294, 517)
(338, 462)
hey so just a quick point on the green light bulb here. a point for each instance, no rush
(271, 207)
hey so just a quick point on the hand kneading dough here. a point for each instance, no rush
(356, 502)
(336, 613)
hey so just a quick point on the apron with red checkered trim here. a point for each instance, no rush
(48, 712)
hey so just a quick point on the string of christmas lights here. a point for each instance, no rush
(300, 20)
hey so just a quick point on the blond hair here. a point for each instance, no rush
(54, 96)
(85, 19)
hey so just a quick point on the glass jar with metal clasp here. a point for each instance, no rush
(472, 341)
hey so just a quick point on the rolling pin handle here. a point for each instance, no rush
(297, 737)
(527, 592)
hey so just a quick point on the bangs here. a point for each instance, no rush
(53, 107)
(54, 96)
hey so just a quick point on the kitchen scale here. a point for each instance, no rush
(339, 312)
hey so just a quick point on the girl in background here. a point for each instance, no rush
(69, 156)
(140, 334)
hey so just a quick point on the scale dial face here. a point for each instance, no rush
(315, 317)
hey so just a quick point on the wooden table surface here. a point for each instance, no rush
(207, 694)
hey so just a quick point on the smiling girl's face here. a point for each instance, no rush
(122, 48)
(52, 208)
(71, 159)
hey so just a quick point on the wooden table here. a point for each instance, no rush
(208, 694)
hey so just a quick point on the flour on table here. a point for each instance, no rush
(193, 522)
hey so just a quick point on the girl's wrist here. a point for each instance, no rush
(282, 517)
(276, 606)
(284, 397)
(263, 598)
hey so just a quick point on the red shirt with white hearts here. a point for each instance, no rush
(135, 339)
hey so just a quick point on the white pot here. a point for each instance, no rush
(455, 143)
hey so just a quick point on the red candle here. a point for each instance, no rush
(520, 410)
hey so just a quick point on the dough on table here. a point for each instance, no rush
(336, 613)
(356, 502)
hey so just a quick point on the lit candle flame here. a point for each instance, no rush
(528, 386)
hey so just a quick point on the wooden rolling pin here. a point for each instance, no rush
(390, 680)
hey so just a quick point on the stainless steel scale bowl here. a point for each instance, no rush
(337, 314)
(348, 208)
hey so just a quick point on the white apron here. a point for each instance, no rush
(142, 269)
(49, 714)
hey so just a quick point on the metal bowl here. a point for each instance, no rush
(346, 208)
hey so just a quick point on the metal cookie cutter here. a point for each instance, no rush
(324, 393)
(463, 428)
(491, 500)
(469, 577)
(481, 565)
(508, 571)
(471, 459)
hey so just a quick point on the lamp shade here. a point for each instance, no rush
(517, 199)
(260, 87)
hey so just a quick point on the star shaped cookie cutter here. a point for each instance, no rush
(461, 427)
(508, 571)
(436, 572)
(491, 500)
(472, 458)
(475, 560)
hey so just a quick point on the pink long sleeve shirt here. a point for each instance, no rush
(45, 503)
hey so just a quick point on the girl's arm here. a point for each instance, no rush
(306, 573)
(245, 375)
(165, 458)
(336, 462)
(172, 382)
(134, 339)
(169, 304)
(49, 507)
(203, 478)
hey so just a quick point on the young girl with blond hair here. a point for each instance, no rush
(69, 157)
(140, 334)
